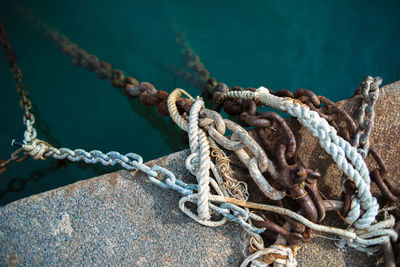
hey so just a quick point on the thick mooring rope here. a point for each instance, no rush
(199, 145)
(341, 151)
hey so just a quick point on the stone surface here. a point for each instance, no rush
(122, 219)
(115, 219)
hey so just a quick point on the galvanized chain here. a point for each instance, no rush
(133, 161)
(370, 91)
(257, 162)
(365, 124)
(230, 209)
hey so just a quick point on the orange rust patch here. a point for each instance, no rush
(298, 101)
(12, 259)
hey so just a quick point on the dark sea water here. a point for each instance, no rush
(326, 46)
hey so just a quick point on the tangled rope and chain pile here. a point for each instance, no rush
(347, 158)
(231, 208)
(296, 205)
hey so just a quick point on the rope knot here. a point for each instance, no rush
(37, 149)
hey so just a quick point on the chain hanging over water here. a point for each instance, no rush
(25, 102)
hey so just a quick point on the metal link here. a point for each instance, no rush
(254, 147)
(224, 141)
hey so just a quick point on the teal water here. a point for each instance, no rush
(326, 46)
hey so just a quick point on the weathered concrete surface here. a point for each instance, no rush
(115, 219)
(122, 219)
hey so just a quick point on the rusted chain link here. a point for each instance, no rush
(11, 57)
(387, 189)
(337, 116)
(281, 146)
(17, 156)
(146, 92)
(198, 74)
(275, 103)
(22, 90)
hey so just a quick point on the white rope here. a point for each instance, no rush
(340, 150)
(347, 157)
(199, 144)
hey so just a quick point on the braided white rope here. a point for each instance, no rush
(339, 148)
(361, 139)
(199, 144)
(341, 151)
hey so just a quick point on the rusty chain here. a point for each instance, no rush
(336, 116)
(146, 92)
(17, 156)
(198, 74)
(281, 146)
(22, 90)
(339, 118)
